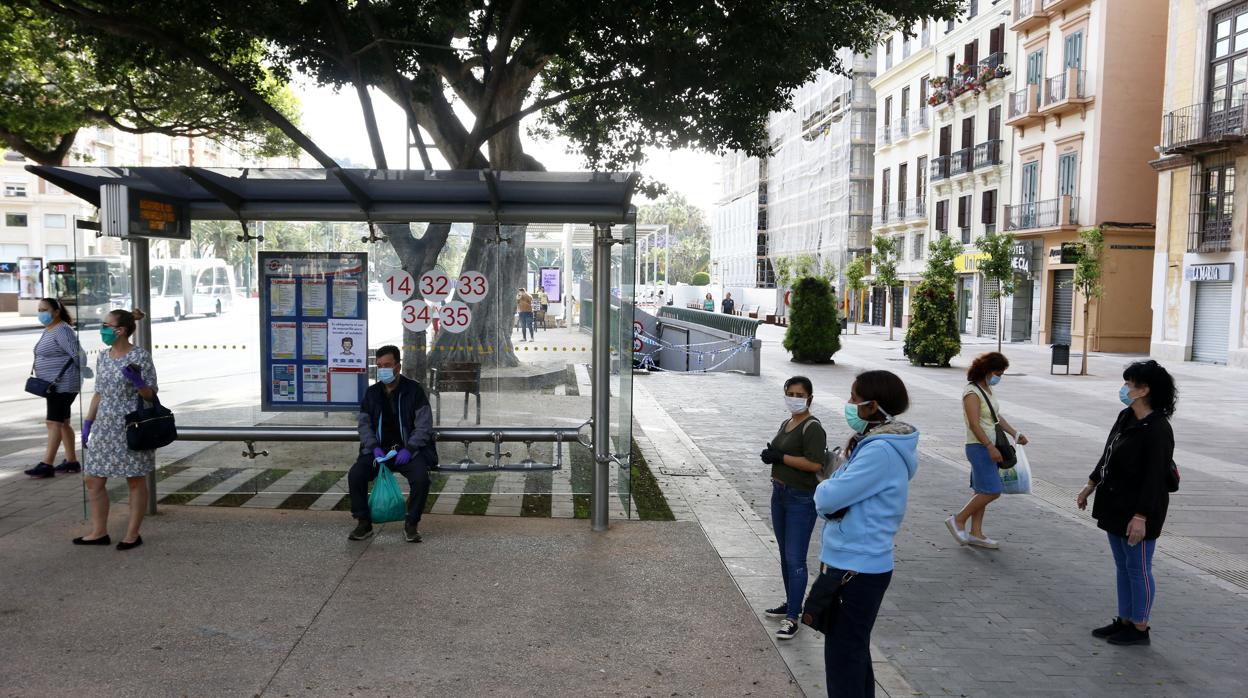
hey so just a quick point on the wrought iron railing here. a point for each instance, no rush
(1042, 214)
(916, 208)
(962, 161)
(940, 168)
(1207, 122)
(988, 154)
(880, 214)
(1209, 233)
(1020, 105)
(1059, 88)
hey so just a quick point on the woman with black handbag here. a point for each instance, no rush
(987, 447)
(59, 378)
(862, 504)
(1133, 482)
(123, 374)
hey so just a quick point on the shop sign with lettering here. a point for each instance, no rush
(1209, 272)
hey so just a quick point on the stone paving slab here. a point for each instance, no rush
(1015, 622)
(246, 602)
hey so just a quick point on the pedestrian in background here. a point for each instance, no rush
(123, 374)
(708, 304)
(56, 360)
(863, 504)
(981, 413)
(543, 300)
(729, 306)
(524, 307)
(795, 455)
(1132, 482)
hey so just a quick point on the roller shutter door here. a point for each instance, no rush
(1063, 306)
(1211, 321)
(988, 308)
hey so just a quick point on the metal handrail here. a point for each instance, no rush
(963, 160)
(940, 168)
(465, 435)
(1205, 122)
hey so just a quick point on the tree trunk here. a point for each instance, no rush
(1000, 330)
(416, 256)
(1083, 360)
(488, 338)
(857, 309)
(888, 311)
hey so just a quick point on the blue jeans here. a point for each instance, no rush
(1136, 587)
(526, 325)
(847, 647)
(793, 519)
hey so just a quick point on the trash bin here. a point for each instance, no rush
(1061, 357)
(844, 324)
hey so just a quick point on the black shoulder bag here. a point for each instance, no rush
(1009, 457)
(149, 428)
(40, 387)
(823, 603)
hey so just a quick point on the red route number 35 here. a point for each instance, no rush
(455, 317)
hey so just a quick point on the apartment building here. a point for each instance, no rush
(902, 151)
(1085, 112)
(809, 200)
(1199, 310)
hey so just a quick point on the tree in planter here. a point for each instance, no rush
(933, 337)
(854, 273)
(813, 335)
(1088, 271)
(998, 266)
(884, 260)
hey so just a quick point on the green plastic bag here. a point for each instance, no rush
(385, 502)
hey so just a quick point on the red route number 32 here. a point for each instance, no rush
(435, 285)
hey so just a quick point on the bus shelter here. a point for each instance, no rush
(178, 242)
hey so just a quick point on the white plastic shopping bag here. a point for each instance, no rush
(1017, 480)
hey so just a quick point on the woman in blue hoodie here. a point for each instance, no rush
(863, 504)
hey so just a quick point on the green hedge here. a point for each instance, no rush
(743, 326)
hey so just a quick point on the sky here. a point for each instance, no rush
(335, 123)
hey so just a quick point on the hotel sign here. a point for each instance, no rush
(1208, 272)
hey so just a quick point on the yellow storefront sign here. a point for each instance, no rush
(968, 263)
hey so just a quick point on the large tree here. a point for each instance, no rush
(614, 78)
(56, 84)
(690, 237)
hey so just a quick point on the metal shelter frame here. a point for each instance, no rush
(601, 200)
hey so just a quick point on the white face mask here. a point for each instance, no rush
(795, 404)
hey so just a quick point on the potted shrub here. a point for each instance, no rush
(814, 329)
(933, 338)
(701, 279)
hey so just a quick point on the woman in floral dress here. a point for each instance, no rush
(122, 374)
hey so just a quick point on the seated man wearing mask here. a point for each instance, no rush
(394, 415)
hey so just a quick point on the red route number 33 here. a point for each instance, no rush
(473, 287)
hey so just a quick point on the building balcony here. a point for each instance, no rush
(1054, 7)
(971, 79)
(962, 161)
(916, 209)
(919, 120)
(1024, 107)
(884, 134)
(1028, 15)
(1065, 93)
(1209, 233)
(880, 215)
(940, 168)
(1061, 213)
(1205, 127)
(901, 129)
(988, 154)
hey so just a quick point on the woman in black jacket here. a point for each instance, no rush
(1132, 483)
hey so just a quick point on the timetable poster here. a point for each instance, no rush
(314, 328)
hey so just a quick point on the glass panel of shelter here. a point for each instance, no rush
(206, 348)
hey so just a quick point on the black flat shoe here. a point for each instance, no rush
(122, 545)
(98, 541)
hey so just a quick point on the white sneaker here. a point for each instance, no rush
(958, 534)
(982, 542)
(788, 628)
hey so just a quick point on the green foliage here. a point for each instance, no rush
(690, 237)
(884, 260)
(933, 337)
(784, 271)
(998, 265)
(854, 273)
(804, 266)
(814, 330)
(59, 81)
(701, 279)
(1088, 268)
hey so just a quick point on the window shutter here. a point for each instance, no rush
(989, 207)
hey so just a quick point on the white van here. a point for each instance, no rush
(212, 286)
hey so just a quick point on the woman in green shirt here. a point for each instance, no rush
(795, 456)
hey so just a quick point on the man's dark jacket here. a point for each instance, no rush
(414, 413)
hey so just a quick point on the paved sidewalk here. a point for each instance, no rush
(1015, 622)
(12, 322)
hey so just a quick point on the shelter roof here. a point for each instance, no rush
(379, 196)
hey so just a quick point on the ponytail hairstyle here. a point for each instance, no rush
(986, 364)
(127, 319)
(59, 309)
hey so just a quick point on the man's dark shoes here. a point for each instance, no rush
(363, 529)
(410, 532)
(1130, 635)
(1109, 630)
(43, 470)
(68, 466)
(104, 540)
(781, 611)
(122, 545)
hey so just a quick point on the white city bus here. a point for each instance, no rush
(182, 287)
(90, 286)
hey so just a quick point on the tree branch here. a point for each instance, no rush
(541, 104)
(399, 83)
(352, 63)
(55, 156)
(133, 28)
